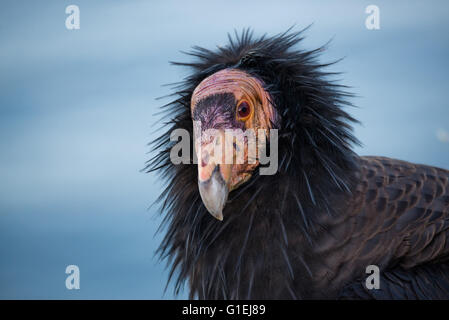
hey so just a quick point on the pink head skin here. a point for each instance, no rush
(230, 99)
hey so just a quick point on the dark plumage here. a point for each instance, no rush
(310, 230)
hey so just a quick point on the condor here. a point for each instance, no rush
(310, 230)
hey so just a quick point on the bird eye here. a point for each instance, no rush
(243, 110)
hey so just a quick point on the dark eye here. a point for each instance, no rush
(243, 110)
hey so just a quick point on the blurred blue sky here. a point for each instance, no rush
(76, 112)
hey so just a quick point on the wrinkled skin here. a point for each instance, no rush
(214, 106)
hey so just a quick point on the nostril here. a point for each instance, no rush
(205, 159)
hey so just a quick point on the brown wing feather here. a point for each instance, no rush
(409, 205)
(396, 217)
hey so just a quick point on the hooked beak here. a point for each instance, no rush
(214, 192)
(213, 178)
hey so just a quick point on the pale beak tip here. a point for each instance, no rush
(214, 194)
(216, 214)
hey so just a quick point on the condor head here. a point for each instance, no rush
(232, 115)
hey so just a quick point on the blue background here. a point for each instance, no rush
(76, 112)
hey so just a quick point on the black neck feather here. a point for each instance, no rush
(227, 259)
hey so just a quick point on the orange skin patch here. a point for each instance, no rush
(244, 87)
